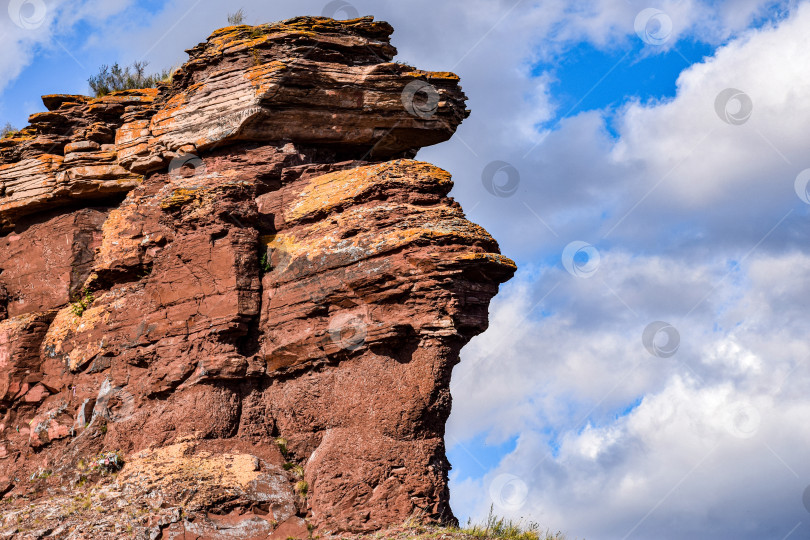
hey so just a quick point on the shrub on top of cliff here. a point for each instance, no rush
(237, 18)
(8, 131)
(111, 79)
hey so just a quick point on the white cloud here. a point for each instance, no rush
(29, 26)
(738, 162)
(722, 414)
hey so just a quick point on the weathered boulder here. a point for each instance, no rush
(243, 284)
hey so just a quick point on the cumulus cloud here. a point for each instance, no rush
(748, 165)
(615, 442)
(29, 26)
(698, 225)
(674, 171)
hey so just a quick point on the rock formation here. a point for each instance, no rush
(242, 286)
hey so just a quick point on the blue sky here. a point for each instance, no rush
(568, 411)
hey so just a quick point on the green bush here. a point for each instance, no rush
(82, 301)
(114, 78)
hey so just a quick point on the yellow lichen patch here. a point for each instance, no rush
(284, 248)
(327, 192)
(229, 30)
(267, 239)
(496, 258)
(431, 75)
(17, 137)
(180, 197)
(177, 464)
(196, 202)
(235, 38)
(462, 230)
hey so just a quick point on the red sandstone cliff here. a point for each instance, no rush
(241, 284)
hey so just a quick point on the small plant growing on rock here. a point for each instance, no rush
(302, 488)
(41, 474)
(82, 302)
(107, 463)
(257, 32)
(297, 470)
(265, 265)
(282, 446)
(237, 18)
(257, 57)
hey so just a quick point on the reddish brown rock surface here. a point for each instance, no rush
(242, 284)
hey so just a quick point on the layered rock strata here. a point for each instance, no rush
(242, 286)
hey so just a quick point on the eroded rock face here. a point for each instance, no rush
(242, 273)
